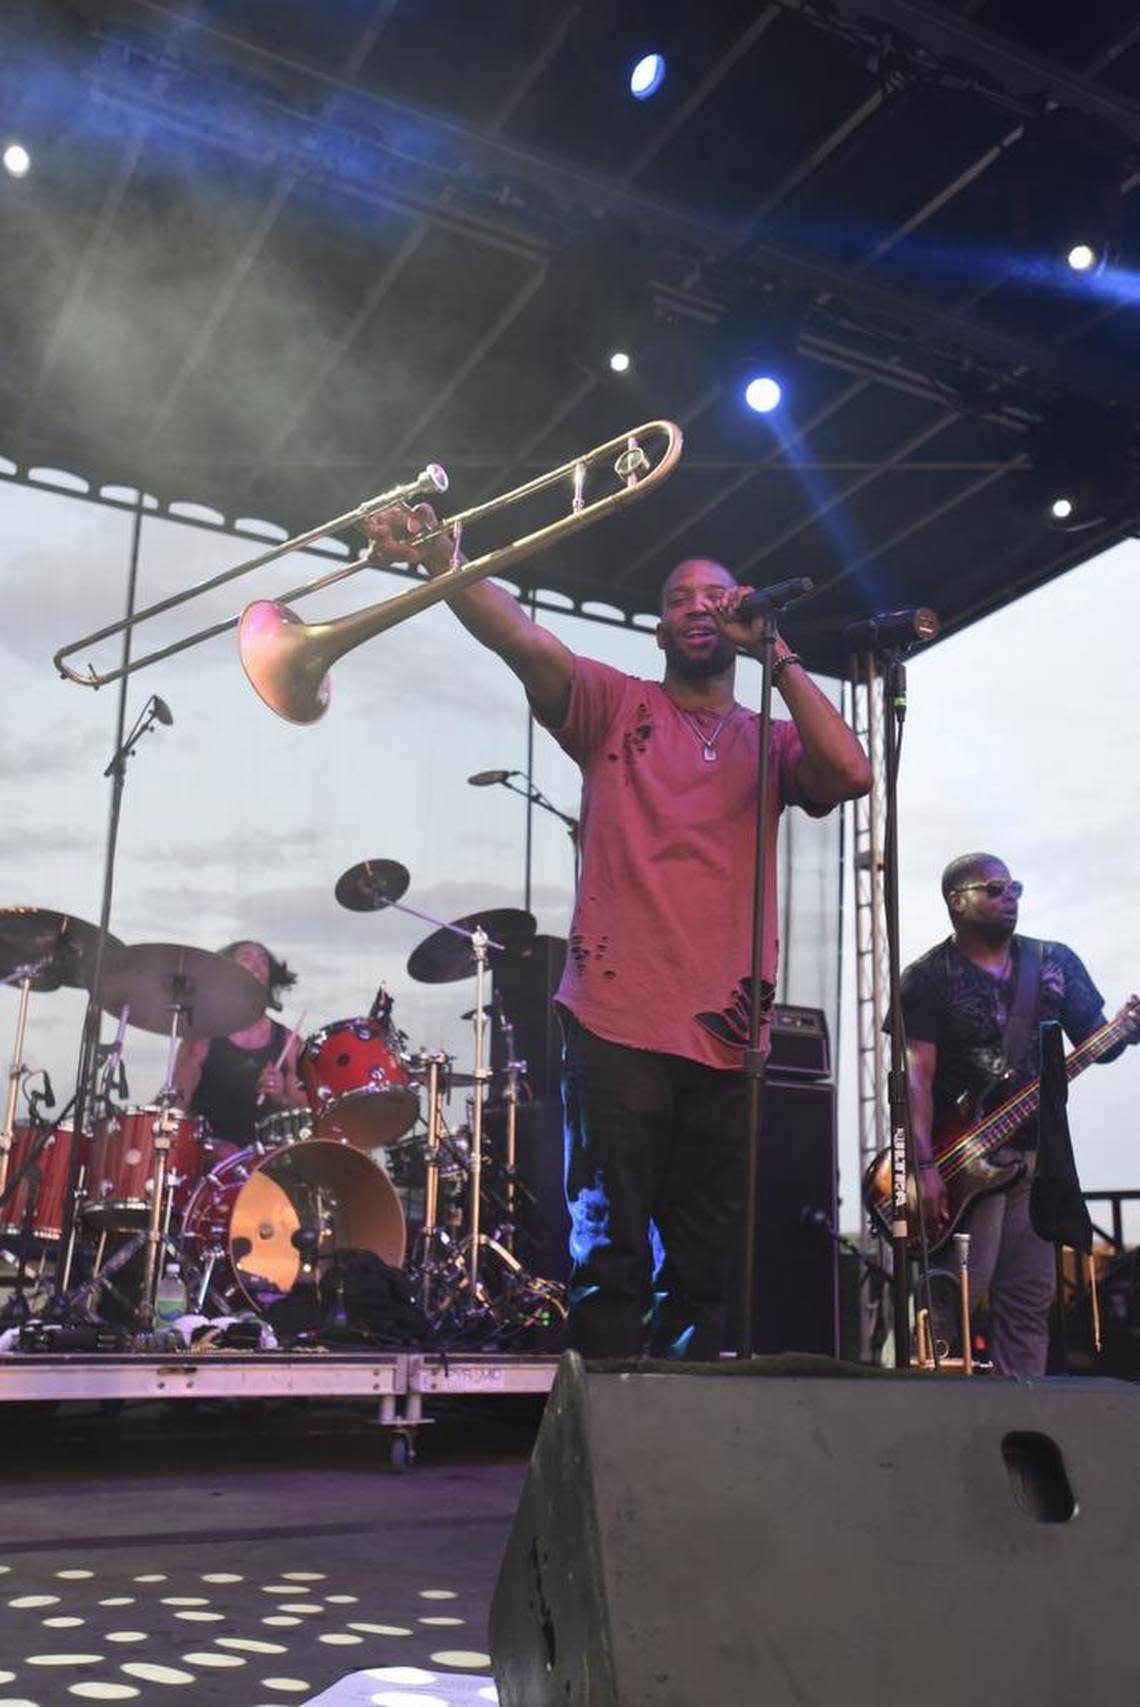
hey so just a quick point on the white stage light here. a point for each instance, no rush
(1082, 257)
(1061, 509)
(17, 160)
(647, 76)
(763, 394)
(619, 362)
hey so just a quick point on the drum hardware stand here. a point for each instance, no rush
(22, 976)
(516, 1073)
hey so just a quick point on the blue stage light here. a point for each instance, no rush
(763, 393)
(647, 76)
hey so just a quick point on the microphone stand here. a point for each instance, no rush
(893, 667)
(88, 1051)
(755, 1060)
(763, 604)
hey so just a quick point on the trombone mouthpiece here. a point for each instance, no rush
(433, 479)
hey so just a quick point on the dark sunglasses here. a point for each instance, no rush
(995, 887)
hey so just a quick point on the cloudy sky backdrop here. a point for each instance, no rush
(1020, 739)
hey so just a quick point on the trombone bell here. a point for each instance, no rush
(283, 665)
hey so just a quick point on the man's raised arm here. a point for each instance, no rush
(538, 658)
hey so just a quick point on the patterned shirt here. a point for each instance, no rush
(963, 1011)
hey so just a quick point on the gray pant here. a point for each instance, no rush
(1011, 1266)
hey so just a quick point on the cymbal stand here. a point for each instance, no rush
(516, 1072)
(22, 976)
(157, 1234)
(436, 1067)
(479, 944)
(155, 1238)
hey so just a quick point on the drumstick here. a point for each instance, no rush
(285, 1048)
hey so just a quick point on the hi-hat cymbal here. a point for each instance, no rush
(443, 957)
(52, 948)
(372, 884)
(217, 995)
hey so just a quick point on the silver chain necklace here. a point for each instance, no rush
(707, 743)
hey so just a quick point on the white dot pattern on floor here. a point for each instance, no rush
(127, 1662)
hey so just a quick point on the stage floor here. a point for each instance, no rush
(251, 1553)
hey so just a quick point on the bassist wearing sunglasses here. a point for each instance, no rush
(972, 1007)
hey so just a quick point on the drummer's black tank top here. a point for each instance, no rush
(227, 1091)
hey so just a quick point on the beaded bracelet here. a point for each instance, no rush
(782, 663)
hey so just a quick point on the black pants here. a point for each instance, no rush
(649, 1138)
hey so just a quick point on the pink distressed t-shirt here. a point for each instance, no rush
(662, 927)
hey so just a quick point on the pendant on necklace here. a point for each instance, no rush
(708, 754)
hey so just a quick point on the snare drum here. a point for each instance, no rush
(53, 1162)
(283, 1126)
(120, 1179)
(242, 1217)
(359, 1087)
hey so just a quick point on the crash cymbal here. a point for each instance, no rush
(372, 884)
(444, 957)
(218, 995)
(54, 948)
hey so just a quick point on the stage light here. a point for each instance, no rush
(763, 393)
(17, 160)
(619, 362)
(647, 76)
(1083, 258)
(1084, 465)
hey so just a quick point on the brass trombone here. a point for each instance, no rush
(287, 661)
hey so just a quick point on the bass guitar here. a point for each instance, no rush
(963, 1146)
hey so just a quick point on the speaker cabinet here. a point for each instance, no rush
(690, 1538)
(525, 981)
(797, 1205)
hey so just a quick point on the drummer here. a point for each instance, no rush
(234, 1082)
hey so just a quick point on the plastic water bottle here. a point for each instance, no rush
(170, 1297)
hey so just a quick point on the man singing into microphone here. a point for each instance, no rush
(653, 1002)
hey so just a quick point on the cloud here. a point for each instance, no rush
(66, 751)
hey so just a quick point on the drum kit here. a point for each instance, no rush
(367, 1160)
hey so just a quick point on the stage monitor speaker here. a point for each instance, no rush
(525, 982)
(690, 1538)
(797, 1204)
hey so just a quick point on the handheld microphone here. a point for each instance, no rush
(161, 710)
(483, 779)
(893, 628)
(47, 1096)
(776, 597)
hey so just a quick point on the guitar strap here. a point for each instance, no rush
(1023, 1010)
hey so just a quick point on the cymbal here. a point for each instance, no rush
(218, 995)
(372, 884)
(60, 946)
(443, 957)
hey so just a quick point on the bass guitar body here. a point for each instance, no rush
(966, 1178)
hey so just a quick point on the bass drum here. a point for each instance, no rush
(241, 1221)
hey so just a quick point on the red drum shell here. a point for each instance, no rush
(54, 1163)
(357, 1084)
(122, 1164)
(246, 1210)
